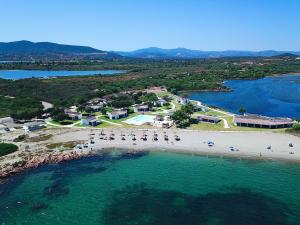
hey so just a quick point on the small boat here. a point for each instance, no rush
(291, 144)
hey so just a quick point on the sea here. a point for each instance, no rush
(277, 96)
(154, 188)
(21, 74)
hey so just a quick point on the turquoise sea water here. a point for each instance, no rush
(154, 188)
(270, 96)
(21, 74)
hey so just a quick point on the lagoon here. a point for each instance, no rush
(277, 96)
(21, 74)
(154, 188)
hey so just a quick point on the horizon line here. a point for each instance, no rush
(163, 48)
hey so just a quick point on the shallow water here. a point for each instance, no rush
(270, 96)
(21, 74)
(154, 188)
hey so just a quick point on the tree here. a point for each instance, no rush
(150, 97)
(104, 110)
(184, 95)
(188, 108)
(242, 110)
(60, 117)
(58, 114)
(182, 118)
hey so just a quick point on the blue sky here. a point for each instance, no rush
(134, 24)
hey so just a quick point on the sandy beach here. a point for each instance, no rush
(235, 144)
(242, 145)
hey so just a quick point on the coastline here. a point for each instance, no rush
(247, 145)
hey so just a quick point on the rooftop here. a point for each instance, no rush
(34, 123)
(118, 112)
(261, 120)
(208, 117)
(142, 106)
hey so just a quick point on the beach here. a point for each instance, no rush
(245, 144)
(85, 142)
(252, 144)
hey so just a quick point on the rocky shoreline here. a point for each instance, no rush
(34, 161)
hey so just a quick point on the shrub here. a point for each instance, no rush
(6, 149)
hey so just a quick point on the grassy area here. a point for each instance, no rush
(6, 149)
(295, 130)
(64, 122)
(220, 125)
(208, 126)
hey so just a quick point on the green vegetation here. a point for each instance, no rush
(121, 101)
(242, 110)
(6, 149)
(148, 98)
(294, 130)
(176, 75)
(20, 107)
(182, 117)
(21, 138)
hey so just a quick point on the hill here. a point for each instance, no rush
(160, 53)
(26, 50)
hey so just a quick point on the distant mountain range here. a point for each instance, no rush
(159, 53)
(28, 51)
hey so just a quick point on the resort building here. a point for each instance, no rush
(183, 100)
(141, 108)
(251, 120)
(163, 121)
(90, 121)
(208, 119)
(32, 126)
(95, 108)
(117, 114)
(73, 115)
(160, 102)
(73, 108)
(96, 101)
(198, 107)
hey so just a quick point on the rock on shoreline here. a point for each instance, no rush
(29, 162)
